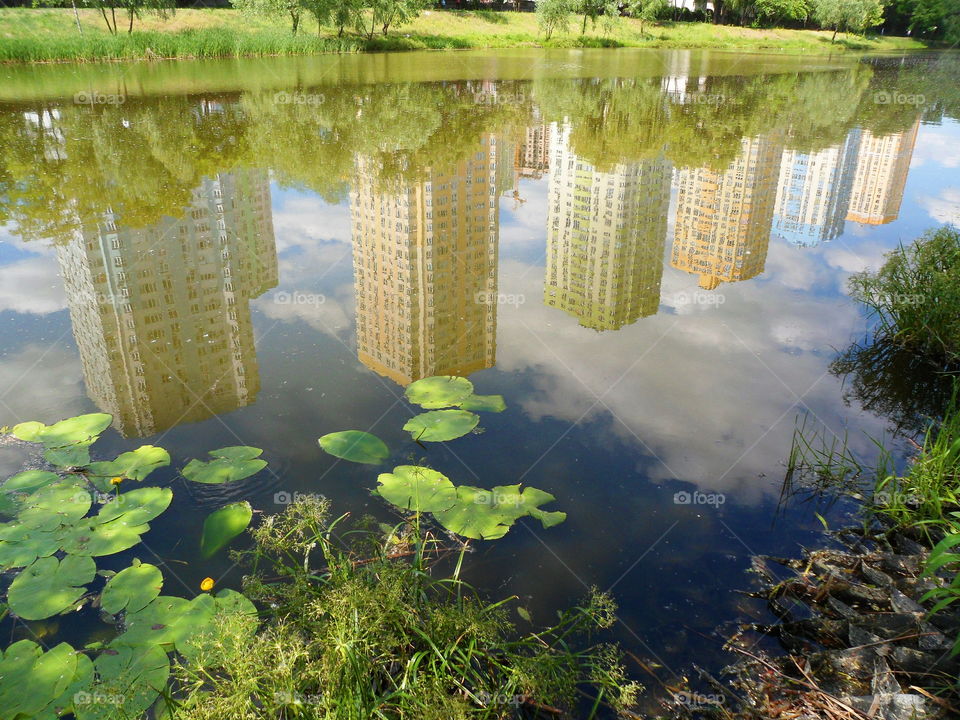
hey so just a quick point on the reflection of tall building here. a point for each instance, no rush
(425, 266)
(723, 218)
(532, 156)
(605, 237)
(813, 192)
(161, 313)
(882, 165)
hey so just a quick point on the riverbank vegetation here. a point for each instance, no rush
(59, 34)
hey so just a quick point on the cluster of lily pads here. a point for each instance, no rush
(468, 511)
(60, 522)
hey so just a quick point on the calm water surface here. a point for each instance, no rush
(645, 252)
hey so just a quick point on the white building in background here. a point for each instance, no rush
(883, 162)
(813, 192)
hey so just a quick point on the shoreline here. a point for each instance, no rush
(49, 37)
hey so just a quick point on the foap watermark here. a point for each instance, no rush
(698, 297)
(698, 700)
(885, 97)
(492, 98)
(487, 698)
(498, 498)
(93, 97)
(298, 298)
(299, 98)
(84, 698)
(285, 497)
(699, 498)
(896, 499)
(491, 298)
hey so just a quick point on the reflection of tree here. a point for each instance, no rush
(893, 383)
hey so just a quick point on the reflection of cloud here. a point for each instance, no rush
(939, 147)
(331, 313)
(303, 220)
(28, 277)
(677, 386)
(41, 383)
(945, 207)
(854, 257)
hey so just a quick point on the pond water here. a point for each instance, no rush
(644, 252)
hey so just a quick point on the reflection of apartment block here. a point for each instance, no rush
(722, 226)
(532, 156)
(813, 192)
(425, 266)
(883, 162)
(605, 237)
(161, 313)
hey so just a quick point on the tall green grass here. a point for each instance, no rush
(915, 296)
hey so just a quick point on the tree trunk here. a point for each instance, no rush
(583, 30)
(130, 27)
(113, 14)
(76, 16)
(834, 34)
(295, 19)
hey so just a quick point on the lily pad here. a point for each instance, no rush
(439, 391)
(80, 429)
(132, 589)
(489, 514)
(61, 503)
(416, 488)
(484, 403)
(129, 680)
(21, 544)
(50, 586)
(209, 645)
(29, 480)
(38, 684)
(229, 465)
(441, 425)
(355, 446)
(93, 539)
(223, 525)
(77, 455)
(134, 465)
(137, 506)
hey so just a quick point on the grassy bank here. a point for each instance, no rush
(49, 35)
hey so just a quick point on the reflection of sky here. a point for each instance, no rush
(704, 394)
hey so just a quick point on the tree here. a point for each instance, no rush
(592, 9)
(856, 15)
(292, 8)
(647, 10)
(776, 11)
(553, 15)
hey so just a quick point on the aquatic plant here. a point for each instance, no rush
(915, 296)
(363, 625)
(60, 523)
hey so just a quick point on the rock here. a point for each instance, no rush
(842, 609)
(906, 565)
(902, 604)
(906, 546)
(883, 682)
(901, 706)
(876, 577)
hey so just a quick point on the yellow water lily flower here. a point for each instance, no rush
(206, 584)
(116, 480)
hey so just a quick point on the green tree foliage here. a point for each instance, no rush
(553, 15)
(293, 9)
(856, 15)
(647, 10)
(775, 12)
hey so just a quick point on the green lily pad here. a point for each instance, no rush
(21, 544)
(94, 539)
(484, 403)
(132, 588)
(49, 586)
(209, 645)
(355, 446)
(134, 465)
(489, 514)
(61, 503)
(137, 506)
(229, 465)
(81, 429)
(129, 680)
(439, 391)
(77, 455)
(441, 425)
(416, 488)
(223, 525)
(29, 480)
(37, 684)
